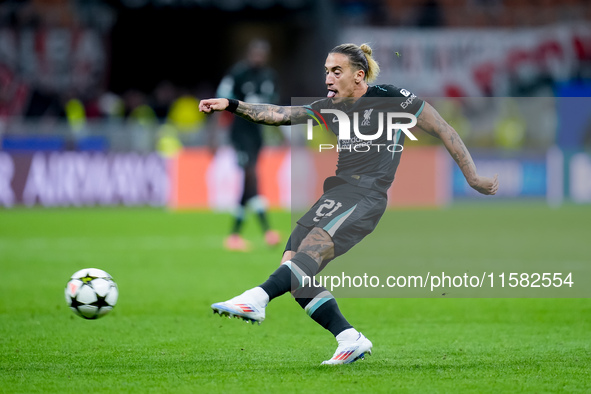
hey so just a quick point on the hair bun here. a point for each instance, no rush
(365, 48)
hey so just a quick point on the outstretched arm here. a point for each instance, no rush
(269, 114)
(432, 123)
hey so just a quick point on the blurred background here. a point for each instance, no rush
(98, 99)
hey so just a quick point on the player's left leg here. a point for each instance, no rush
(322, 307)
(344, 215)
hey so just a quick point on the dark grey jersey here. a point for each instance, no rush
(366, 162)
(251, 85)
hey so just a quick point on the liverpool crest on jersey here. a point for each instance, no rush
(366, 117)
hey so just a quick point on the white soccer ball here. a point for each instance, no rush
(91, 293)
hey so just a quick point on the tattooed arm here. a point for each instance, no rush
(269, 114)
(432, 123)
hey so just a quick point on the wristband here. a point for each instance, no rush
(232, 105)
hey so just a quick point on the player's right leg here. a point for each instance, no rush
(248, 306)
(251, 304)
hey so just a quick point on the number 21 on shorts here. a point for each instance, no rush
(327, 209)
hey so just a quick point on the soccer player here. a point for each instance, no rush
(251, 81)
(355, 197)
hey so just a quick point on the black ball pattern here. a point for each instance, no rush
(100, 302)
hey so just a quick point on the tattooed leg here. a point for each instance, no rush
(316, 248)
(319, 246)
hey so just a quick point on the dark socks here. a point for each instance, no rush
(238, 219)
(278, 283)
(322, 308)
(237, 225)
(315, 299)
(288, 277)
(263, 220)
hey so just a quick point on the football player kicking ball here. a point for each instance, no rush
(355, 197)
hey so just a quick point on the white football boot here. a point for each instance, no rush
(248, 306)
(350, 350)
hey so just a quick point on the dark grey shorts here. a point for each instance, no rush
(346, 212)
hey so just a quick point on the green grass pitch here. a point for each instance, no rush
(163, 337)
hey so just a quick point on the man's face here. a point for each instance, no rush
(258, 56)
(340, 77)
